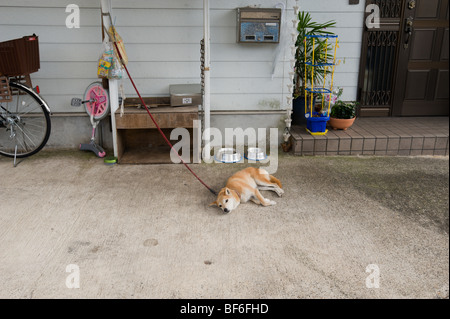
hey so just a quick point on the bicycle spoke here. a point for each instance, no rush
(26, 135)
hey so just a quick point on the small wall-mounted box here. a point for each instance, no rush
(255, 25)
(185, 94)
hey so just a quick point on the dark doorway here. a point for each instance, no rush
(404, 63)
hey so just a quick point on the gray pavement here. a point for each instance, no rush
(346, 227)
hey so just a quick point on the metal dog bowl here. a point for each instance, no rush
(255, 154)
(227, 155)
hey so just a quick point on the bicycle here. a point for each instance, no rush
(25, 123)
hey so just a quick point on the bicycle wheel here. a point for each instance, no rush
(100, 107)
(24, 123)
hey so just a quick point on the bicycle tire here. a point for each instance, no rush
(25, 124)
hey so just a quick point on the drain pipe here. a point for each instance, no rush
(207, 87)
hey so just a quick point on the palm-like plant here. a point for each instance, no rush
(308, 27)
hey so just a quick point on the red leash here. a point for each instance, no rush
(157, 126)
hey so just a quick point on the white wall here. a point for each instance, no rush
(162, 39)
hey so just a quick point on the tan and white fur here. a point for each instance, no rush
(245, 185)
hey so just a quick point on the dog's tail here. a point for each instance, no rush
(275, 180)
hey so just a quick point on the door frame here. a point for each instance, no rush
(386, 24)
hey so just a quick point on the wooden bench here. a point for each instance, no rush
(138, 139)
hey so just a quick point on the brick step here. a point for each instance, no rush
(382, 136)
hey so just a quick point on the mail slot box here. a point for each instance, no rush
(256, 25)
(185, 94)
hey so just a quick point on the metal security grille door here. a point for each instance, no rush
(379, 57)
(422, 77)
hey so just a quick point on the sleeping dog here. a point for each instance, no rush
(244, 186)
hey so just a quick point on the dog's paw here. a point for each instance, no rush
(280, 192)
(270, 203)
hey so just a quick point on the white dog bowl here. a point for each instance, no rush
(255, 154)
(228, 155)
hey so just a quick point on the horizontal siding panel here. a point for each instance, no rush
(312, 6)
(49, 3)
(161, 70)
(68, 66)
(137, 53)
(38, 16)
(60, 103)
(123, 17)
(343, 19)
(253, 52)
(248, 69)
(347, 65)
(247, 102)
(142, 35)
(328, 6)
(246, 85)
(92, 34)
(266, 102)
(220, 86)
(83, 70)
(161, 86)
(143, 4)
(218, 18)
(159, 52)
(154, 17)
(66, 70)
(219, 102)
(349, 50)
(77, 86)
(348, 34)
(219, 35)
(349, 93)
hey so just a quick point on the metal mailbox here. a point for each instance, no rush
(256, 25)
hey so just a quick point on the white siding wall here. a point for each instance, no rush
(162, 38)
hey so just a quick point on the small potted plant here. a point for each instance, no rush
(342, 115)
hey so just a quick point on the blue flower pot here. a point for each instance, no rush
(298, 110)
(317, 124)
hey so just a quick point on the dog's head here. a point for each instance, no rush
(227, 200)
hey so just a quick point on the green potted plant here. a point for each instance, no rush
(343, 115)
(308, 27)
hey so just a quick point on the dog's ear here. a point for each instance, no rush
(227, 191)
(213, 203)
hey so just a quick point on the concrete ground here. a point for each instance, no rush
(148, 232)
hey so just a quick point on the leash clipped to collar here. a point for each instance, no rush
(156, 124)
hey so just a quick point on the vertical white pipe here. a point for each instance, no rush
(113, 84)
(207, 90)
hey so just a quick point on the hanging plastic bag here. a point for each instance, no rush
(116, 70)
(115, 37)
(105, 61)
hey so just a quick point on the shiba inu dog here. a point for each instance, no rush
(244, 186)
